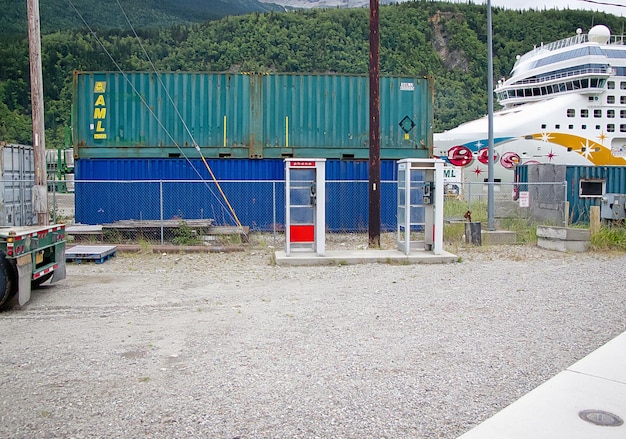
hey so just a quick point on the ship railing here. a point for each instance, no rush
(618, 40)
(566, 42)
(555, 45)
(570, 74)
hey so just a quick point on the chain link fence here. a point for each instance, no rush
(538, 202)
(190, 211)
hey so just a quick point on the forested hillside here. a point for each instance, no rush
(445, 40)
(59, 15)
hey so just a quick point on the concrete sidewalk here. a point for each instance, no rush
(350, 257)
(585, 401)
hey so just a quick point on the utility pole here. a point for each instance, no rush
(40, 190)
(374, 150)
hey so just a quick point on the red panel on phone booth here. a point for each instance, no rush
(302, 233)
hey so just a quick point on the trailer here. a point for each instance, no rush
(30, 254)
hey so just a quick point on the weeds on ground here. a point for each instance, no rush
(609, 237)
(113, 236)
(185, 235)
(144, 246)
(525, 231)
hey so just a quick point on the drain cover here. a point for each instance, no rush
(600, 417)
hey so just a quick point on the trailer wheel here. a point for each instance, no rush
(8, 285)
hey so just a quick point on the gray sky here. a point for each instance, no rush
(608, 6)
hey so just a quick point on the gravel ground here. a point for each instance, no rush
(229, 346)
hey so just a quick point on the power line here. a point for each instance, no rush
(603, 3)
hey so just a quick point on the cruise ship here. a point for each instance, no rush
(564, 103)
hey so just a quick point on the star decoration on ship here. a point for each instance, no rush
(551, 155)
(478, 171)
(602, 136)
(546, 137)
(479, 144)
(586, 149)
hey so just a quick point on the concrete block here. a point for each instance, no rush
(563, 233)
(564, 245)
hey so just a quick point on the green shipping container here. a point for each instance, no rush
(150, 115)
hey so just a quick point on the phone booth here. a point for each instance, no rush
(420, 205)
(305, 210)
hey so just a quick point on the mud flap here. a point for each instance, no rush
(59, 257)
(24, 274)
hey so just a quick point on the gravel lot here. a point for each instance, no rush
(229, 346)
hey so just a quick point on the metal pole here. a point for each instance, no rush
(565, 206)
(161, 207)
(274, 211)
(40, 191)
(490, 188)
(374, 149)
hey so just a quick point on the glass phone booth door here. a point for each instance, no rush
(305, 205)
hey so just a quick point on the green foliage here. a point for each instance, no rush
(610, 237)
(423, 37)
(62, 14)
(185, 235)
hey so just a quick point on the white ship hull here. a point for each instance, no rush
(573, 125)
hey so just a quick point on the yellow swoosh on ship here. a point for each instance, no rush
(596, 153)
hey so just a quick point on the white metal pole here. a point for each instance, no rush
(320, 207)
(438, 216)
(287, 209)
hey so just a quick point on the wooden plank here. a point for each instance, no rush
(229, 230)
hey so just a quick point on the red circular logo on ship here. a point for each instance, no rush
(460, 155)
(509, 159)
(483, 156)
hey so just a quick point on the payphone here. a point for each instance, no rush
(420, 205)
(305, 199)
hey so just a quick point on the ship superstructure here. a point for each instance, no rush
(564, 103)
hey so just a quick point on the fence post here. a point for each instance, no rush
(594, 219)
(274, 211)
(54, 198)
(565, 206)
(161, 207)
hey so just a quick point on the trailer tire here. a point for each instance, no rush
(8, 279)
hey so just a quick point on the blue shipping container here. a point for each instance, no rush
(109, 190)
